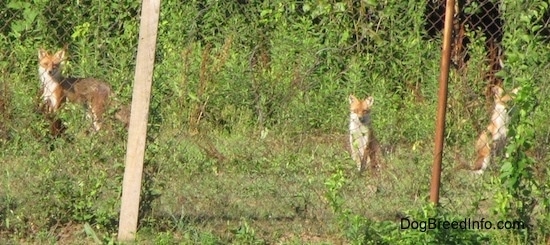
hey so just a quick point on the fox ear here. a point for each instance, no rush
(60, 54)
(369, 100)
(352, 99)
(42, 53)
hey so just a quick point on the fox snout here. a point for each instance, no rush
(54, 69)
(364, 118)
(51, 72)
(361, 116)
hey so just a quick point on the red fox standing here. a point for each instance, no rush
(498, 128)
(364, 147)
(90, 92)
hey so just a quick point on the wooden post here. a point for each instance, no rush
(131, 186)
(442, 102)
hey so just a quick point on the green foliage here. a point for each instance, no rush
(248, 121)
(520, 189)
(427, 225)
(244, 234)
(66, 197)
(353, 226)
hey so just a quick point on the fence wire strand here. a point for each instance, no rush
(255, 67)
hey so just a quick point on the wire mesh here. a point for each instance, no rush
(478, 20)
(243, 85)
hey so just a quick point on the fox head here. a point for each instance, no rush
(50, 64)
(360, 109)
(500, 97)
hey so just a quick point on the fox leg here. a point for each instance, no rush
(360, 159)
(97, 125)
(48, 106)
(96, 120)
(357, 158)
(371, 161)
(354, 153)
(365, 159)
(363, 152)
(97, 107)
(364, 163)
(93, 115)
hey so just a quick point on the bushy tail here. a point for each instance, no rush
(121, 111)
(483, 152)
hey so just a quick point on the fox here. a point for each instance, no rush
(483, 152)
(500, 118)
(364, 147)
(56, 89)
(493, 139)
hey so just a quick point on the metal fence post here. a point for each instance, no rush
(442, 102)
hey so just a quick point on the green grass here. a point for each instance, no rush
(247, 135)
(255, 190)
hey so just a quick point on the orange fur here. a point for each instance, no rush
(483, 151)
(90, 92)
(363, 145)
(493, 140)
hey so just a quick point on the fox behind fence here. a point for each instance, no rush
(94, 94)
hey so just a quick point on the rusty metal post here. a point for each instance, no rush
(442, 102)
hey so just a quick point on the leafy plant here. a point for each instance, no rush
(520, 189)
(265, 83)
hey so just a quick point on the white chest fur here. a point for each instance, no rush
(49, 86)
(500, 120)
(359, 136)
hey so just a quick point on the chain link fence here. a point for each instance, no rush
(483, 18)
(85, 40)
(254, 87)
(481, 26)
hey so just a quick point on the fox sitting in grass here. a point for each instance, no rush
(363, 144)
(92, 93)
(493, 140)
